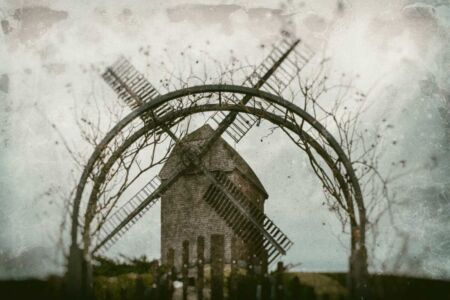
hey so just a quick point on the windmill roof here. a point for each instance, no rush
(220, 157)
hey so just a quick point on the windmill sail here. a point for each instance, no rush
(256, 230)
(134, 89)
(286, 71)
(131, 86)
(273, 75)
(128, 214)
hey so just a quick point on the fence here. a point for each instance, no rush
(216, 278)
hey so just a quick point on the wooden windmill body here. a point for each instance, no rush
(186, 216)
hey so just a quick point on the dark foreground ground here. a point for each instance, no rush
(312, 285)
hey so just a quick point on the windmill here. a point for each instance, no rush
(273, 75)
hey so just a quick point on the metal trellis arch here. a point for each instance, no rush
(281, 113)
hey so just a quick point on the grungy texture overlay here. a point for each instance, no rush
(400, 49)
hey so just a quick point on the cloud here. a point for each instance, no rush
(53, 55)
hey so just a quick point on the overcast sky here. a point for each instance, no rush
(399, 49)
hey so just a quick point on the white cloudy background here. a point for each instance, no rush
(399, 48)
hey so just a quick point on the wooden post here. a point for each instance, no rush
(123, 293)
(200, 266)
(294, 288)
(233, 281)
(266, 287)
(217, 257)
(251, 278)
(279, 292)
(140, 289)
(185, 268)
(74, 276)
(259, 278)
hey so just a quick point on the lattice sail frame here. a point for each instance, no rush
(132, 87)
(241, 225)
(278, 81)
